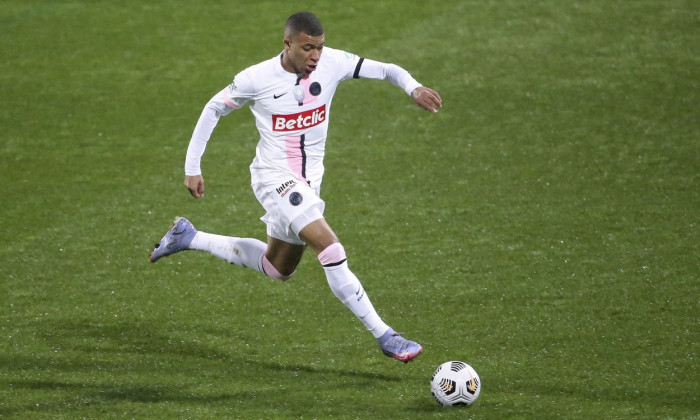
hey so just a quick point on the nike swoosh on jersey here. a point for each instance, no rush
(279, 96)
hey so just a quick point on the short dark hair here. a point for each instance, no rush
(305, 22)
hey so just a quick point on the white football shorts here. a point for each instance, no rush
(290, 205)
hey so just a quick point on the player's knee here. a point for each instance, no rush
(271, 271)
(333, 255)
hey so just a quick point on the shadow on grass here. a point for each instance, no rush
(76, 396)
(315, 370)
(88, 364)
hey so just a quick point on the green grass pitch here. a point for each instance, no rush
(543, 227)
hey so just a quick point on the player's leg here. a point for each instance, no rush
(245, 252)
(348, 289)
(276, 259)
(281, 258)
(183, 236)
(344, 284)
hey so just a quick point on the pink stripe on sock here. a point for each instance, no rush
(271, 271)
(332, 254)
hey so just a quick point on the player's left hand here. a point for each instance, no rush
(427, 99)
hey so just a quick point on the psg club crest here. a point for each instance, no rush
(315, 89)
(295, 198)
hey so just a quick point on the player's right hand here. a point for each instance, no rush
(195, 185)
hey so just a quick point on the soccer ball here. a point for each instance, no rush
(455, 383)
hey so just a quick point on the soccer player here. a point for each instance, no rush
(290, 96)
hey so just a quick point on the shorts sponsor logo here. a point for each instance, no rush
(295, 199)
(286, 187)
(299, 121)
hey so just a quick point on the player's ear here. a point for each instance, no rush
(287, 43)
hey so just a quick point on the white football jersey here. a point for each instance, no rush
(291, 113)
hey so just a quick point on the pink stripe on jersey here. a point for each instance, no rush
(296, 159)
(308, 98)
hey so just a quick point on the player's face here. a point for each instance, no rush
(302, 53)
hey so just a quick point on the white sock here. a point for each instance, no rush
(245, 252)
(347, 287)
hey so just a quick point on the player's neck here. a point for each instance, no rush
(290, 69)
(286, 66)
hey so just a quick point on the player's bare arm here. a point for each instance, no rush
(195, 185)
(427, 99)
